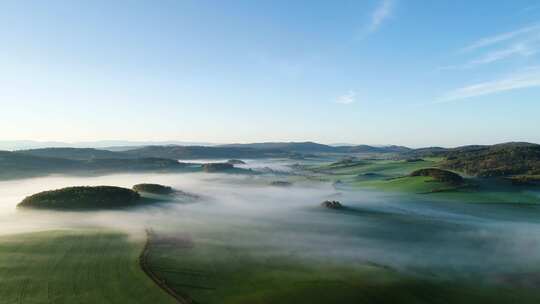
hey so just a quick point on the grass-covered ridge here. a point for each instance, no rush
(423, 176)
(439, 175)
(369, 169)
(80, 198)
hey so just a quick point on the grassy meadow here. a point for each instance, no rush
(393, 176)
(74, 266)
(218, 273)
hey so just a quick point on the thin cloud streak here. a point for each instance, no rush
(489, 41)
(381, 13)
(525, 79)
(348, 98)
(518, 49)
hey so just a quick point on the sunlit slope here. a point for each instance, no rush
(394, 176)
(385, 168)
(384, 174)
(74, 267)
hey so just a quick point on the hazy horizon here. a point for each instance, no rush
(12, 145)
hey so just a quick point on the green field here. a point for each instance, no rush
(95, 266)
(214, 272)
(392, 176)
(357, 173)
(74, 267)
(386, 168)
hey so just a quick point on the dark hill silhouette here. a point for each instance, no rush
(15, 164)
(74, 153)
(312, 147)
(194, 152)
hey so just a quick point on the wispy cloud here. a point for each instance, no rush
(523, 42)
(348, 98)
(522, 49)
(489, 41)
(524, 79)
(380, 14)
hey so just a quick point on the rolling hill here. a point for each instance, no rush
(503, 160)
(74, 153)
(312, 147)
(194, 152)
(16, 164)
(254, 150)
(306, 147)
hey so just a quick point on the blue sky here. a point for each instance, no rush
(415, 73)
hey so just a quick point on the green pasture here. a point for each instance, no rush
(392, 176)
(72, 266)
(215, 272)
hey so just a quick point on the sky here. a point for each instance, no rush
(415, 73)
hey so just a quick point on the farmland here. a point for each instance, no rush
(74, 266)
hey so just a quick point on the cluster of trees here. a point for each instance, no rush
(497, 160)
(332, 204)
(77, 198)
(153, 188)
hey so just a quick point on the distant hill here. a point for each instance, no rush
(74, 153)
(497, 160)
(373, 149)
(194, 152)
(133, 164)
(312, 147)
(15, 164)
(12, 145)
(254, 150)
(307, 147)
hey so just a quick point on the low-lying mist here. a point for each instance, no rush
(404, 232)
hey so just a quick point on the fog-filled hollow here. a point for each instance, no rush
(404, 232)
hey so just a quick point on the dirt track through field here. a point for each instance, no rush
(84, 267)
(143, 261)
